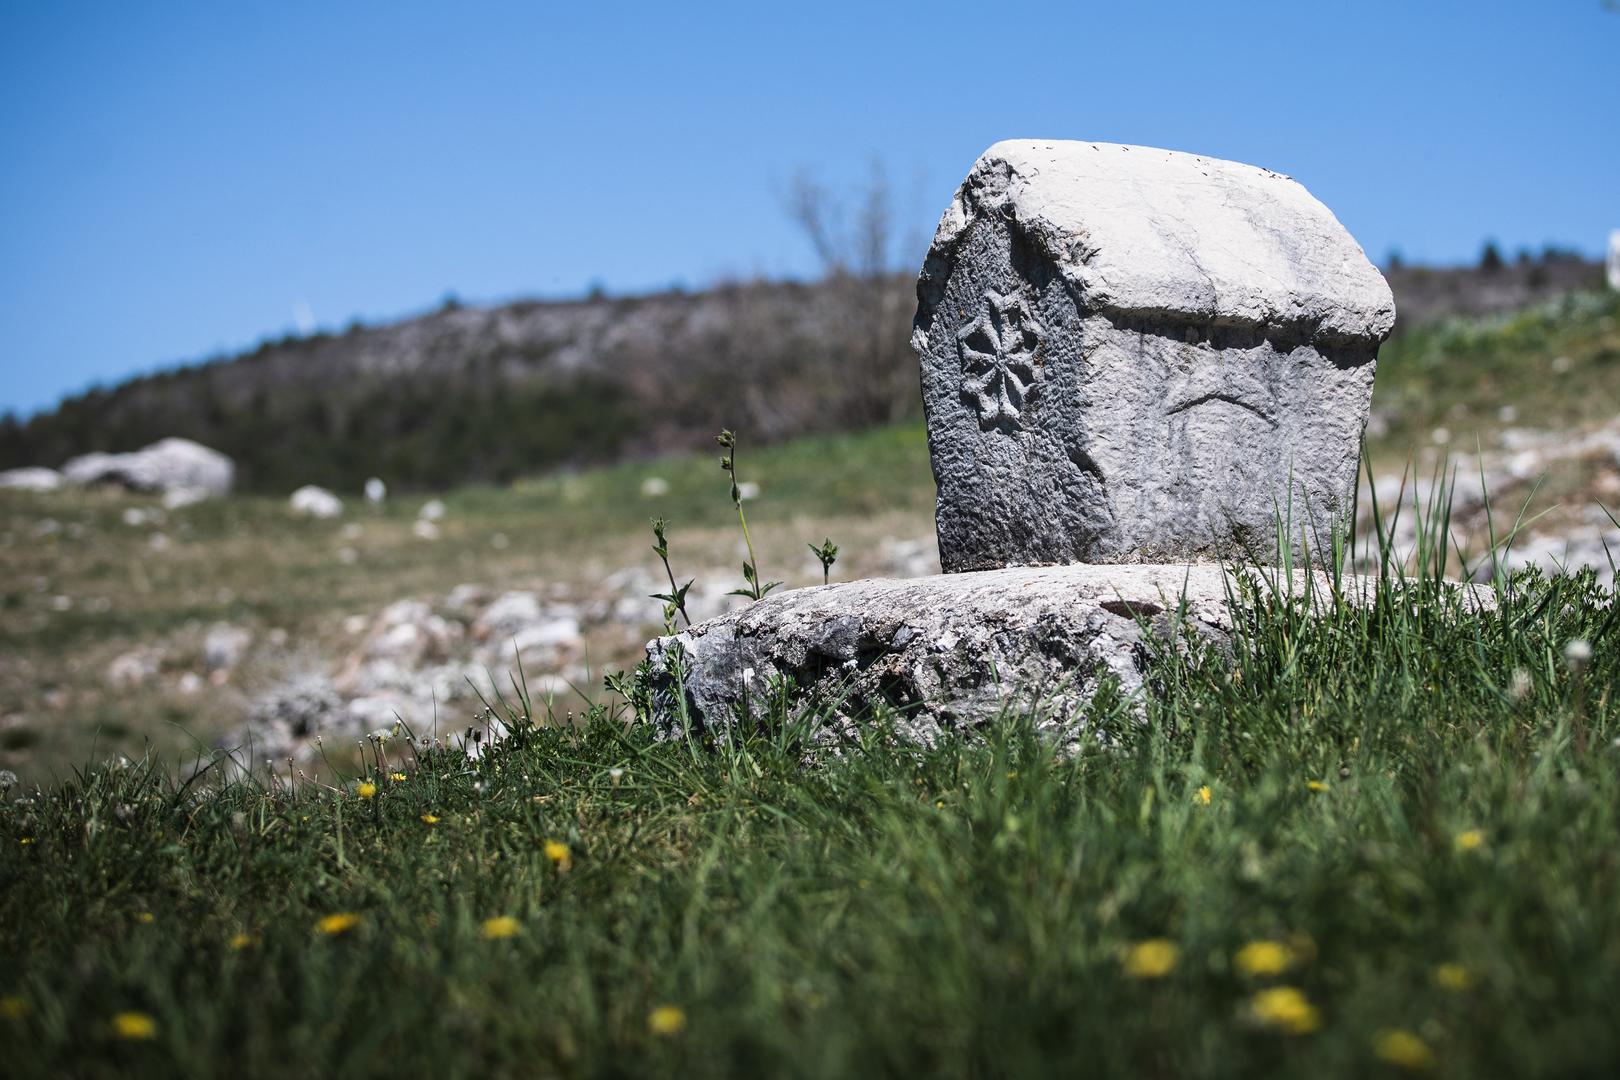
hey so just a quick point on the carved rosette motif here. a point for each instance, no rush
(1000, 370)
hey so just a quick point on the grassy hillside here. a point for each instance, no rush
(1382, 842)
(478, 395)
(1551, 365)
(79, 588)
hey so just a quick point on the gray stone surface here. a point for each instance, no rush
(166, 465)
(948, 652)
(30, 478)
(1135, 355)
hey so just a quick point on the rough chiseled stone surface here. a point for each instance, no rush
(947, 652)
(951, 652)
(1136, 355)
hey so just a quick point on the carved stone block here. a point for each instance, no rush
(1136, 355)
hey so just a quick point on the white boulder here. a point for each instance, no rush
(166, 465)
(315, 502)
(31, 478)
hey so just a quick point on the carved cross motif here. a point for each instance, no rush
(998, 358)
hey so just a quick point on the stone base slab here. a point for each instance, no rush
(948, 652)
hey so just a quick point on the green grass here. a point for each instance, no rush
(1557, 364)
(965, 910)
(248, 561)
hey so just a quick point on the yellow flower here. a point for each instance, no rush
(667, 1020)
(502, 926)
(1454, 977)
(366, 789)
(558, 853)
(144, 916)
(1261, 958)
(1317, 786)
(26, 841)
(397, 777)
(134, 1025)
(13, 1007)
(241, 941)
(1151, 959)
(1402, 1048)
(339, 923)
(1204, 796)
(1287, 1009)
(1469, 839)
(430, 819)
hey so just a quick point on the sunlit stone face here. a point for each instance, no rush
(1065, 430)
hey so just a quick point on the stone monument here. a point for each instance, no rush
(1128, 355)
(1136, 355)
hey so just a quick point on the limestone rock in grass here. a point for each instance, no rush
(315, 502)
(30, 479)
(952, 652)
(947, 652)
(166, 465)
(1136, 355)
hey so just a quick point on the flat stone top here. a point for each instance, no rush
(1156, 233)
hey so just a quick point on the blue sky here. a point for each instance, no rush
(178, 180)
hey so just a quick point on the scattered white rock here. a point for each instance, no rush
(315, 502)
(465, 599)
(225, 645)
(32, 478)
(655, 487)
(423, 529)
(134, 668)
(432, 510)
(376, 491)
(353, 531)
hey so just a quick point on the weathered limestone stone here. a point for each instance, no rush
(947, 652)
(951, 652)
(171, 464)
(1136, 355)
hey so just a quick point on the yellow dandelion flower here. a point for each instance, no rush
(13, 1007)
(1404, 1049)
(502, 926)
(430, 819)
(1317, 786)
(1204, 796)
(1151, 959)
(1453, 977)
(366, 789)
(241, 941)
(1262, 958)
(145, 917)
(558, 853)
(338, 923)
(1470, 839)
(135, 1026)
(667, 1020)
(397, 777)
(1287, 1009)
